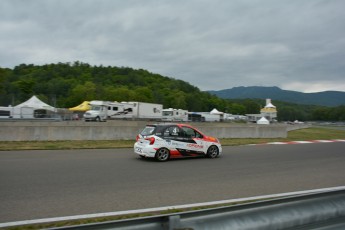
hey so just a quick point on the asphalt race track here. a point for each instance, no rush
(42, 184)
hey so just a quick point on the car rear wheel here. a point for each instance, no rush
(162, 154)
(212, 151)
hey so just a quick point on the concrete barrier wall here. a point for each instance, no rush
(123, 130)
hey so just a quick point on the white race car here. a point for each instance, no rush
(165, 141)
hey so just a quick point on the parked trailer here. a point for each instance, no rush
(17, 113)
(6, 112)
(144, 110)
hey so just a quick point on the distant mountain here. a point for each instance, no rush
(326, 98)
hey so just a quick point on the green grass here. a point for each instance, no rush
(313, 133)
(55, 145)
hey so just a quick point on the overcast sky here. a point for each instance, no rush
(212, 44)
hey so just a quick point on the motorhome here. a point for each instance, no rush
(175, 115)
(98, 111)
(103, 110)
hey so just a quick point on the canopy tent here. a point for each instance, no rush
(263, 121)
(35, 103)
(85, 106)
(215, 111)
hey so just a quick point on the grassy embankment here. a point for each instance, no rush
(314, 133)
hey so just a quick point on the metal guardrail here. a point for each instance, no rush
(314, 209)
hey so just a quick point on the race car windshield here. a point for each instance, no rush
(148, 130)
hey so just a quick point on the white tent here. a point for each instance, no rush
(215, 111)
(35, 103)
(263, 121)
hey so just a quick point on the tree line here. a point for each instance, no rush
(66, 85)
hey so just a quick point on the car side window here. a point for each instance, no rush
(198, 135)
(172, 131)
(191, 133)
(148, 130)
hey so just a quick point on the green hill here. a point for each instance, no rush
(66, 85)
(327, 98)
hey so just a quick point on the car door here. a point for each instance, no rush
(193, 139)
(175, 138)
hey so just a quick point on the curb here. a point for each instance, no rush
(301, 142)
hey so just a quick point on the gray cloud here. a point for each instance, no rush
(297, 45)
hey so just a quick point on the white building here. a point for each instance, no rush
(269, 112)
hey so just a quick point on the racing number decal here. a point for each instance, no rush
(175, 131)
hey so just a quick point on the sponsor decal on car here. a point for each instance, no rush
(168, 142)
(195, 146)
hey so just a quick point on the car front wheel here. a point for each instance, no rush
(212, 151)
(162, 154)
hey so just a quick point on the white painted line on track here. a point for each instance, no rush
(108, 214)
